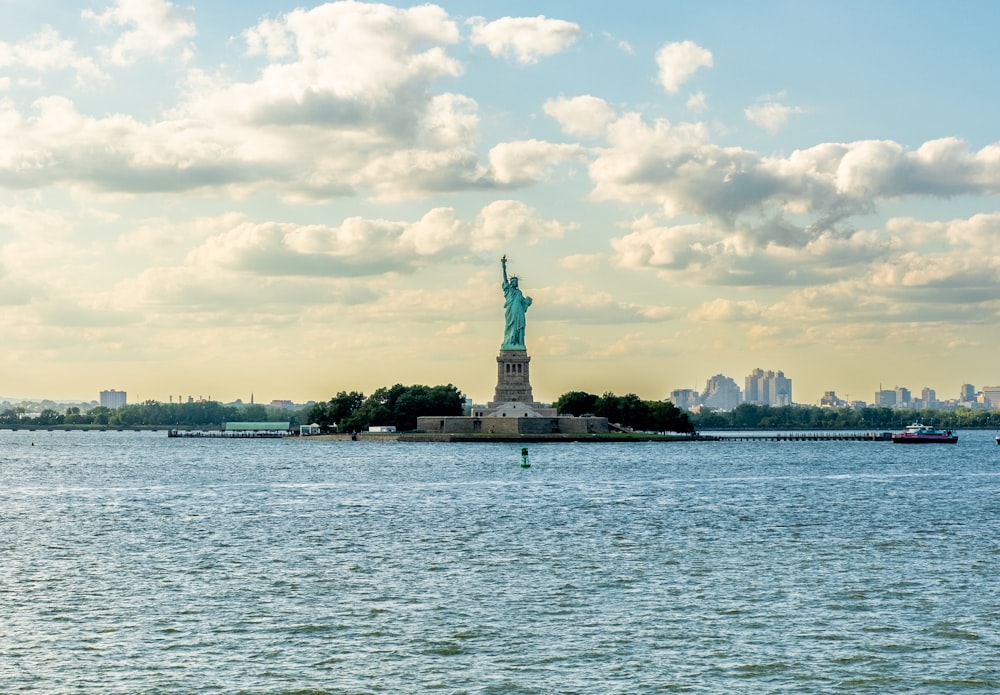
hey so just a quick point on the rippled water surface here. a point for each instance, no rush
(134, 563)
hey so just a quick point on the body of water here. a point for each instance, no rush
(134, 563)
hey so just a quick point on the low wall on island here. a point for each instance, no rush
(512, 425)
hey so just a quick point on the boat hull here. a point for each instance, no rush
(925, 440)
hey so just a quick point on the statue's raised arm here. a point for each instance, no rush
(503, 264)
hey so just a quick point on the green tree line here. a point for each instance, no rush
(400, 405)
(153, 414)
(628, 411)
(747, 416)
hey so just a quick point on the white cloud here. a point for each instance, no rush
(677, 167)
(505, 221)
(980, 232)
(351, 108)
(587, 262)
(770, 255)
(524, 162)
(697, 102)
(351, 52)
(908, 272)
(524, 39)
(153, 27)
(582, 116)
(771, 116)
(361, 247)
(720, 309)
(679, 61)
(47, 51)
(680, 247)
(680, 169)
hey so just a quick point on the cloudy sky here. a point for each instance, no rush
(214, 199)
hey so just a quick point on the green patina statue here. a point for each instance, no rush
(515, 306)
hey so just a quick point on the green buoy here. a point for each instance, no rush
(524, 458)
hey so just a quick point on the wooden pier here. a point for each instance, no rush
(229, 434)
(805, 437)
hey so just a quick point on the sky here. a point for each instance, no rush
(223, 199)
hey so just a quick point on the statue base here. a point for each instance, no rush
(513, 379)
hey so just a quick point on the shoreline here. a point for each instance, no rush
(409, 437)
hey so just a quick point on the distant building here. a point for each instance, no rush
(928, 398)
(767, 388)
(287, 405)
(113, 399)
(903, 397)
(967, 393)
(779, 388)
(685, 399)
(991, 397)
(721, 393)
(885, 398)
(830, 400)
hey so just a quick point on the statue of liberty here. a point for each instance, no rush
(514, 307)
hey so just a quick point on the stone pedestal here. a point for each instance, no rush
(513, 379)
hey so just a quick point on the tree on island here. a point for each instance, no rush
(397, 406)
(627, 411)
(337, 410)
(576, 403)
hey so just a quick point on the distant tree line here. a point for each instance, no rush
(397, 406)
(400, 406)
(747, 416)
(628, 411)
(152, 414)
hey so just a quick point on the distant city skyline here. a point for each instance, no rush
(298, 199)
(719, 387)
(773, 387)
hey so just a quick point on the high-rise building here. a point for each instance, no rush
(753, 387)
(902, 397)
(113, 399)
(928, 398)
(967, 393)
(779, 388)
(721, 393)
(767, 388)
